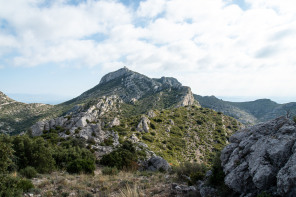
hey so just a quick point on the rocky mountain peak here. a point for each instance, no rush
(169, 81)
(113, 75)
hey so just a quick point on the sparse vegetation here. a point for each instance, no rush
(190, 172)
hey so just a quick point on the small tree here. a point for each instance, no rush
(6, 154)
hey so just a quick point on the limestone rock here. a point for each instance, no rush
(143, 125)
(181, 189)
(134, 138)
(113, 75)
(187, 99)
(151, 114)
(38, 128)
(157, 163)
(262, 158)
(115, 122)
(206, 191)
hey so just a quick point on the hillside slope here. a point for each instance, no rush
(16, 117)
(248, 113)
(187, 133)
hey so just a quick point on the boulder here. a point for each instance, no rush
(156, 163)
(115, 122)
(182, 189)
(143, 125)
(262, 158)
(38, 128)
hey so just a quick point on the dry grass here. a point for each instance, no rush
(124, 184)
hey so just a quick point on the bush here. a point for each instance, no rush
(25, 185)
(110, 171)
(14, 186)
(125, 157)
(28, 172)
(6, 153)
(152, 126)
(147, 138)
(9, 186)
(294, 118)
(217, 178)
(194, 171)
(35, 152)
(81, 165)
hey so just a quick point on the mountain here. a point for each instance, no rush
(138, 92)
(159, 115)
(16, 117)
(184, 133)
(139, 89)
(248, 113)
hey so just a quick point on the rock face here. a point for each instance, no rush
(143, 125)
(113, 75)
(157, 163)
(131, 87)
(262, 158)
(187, 99)
(85, 122)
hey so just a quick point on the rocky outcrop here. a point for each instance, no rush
(157, 163)
(187, 99)
(113, 75)
(143, 125)
(86, 122)
(115, 122)
(262, 158)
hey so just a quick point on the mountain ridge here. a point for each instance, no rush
(136, 90)
(249, 112)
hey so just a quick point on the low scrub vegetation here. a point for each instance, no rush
(124, 157)
(190, 172)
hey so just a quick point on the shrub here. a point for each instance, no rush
(264, 194)
(108, 142)
(125, 157)
(147, 138)
(152, 126)
(217, 178)
(194, 171)
(294, 118)
(9, 186)
(177, 131)
(14, 186)
(81, 165)
(6, 154)
(110, 171)
(28, 172)
(25, 185)
(34, 152)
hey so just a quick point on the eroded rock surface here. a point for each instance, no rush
(262, 158)
(157, 163)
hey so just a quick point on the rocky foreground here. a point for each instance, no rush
(262, 158)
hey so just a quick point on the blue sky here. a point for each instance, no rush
(51, 51)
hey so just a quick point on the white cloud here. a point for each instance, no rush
(213, 46)
(151, 8)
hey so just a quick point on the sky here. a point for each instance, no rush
(239, 50)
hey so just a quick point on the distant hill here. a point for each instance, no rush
(16, 117)
(249, 113)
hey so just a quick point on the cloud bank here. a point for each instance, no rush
(217, 47)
